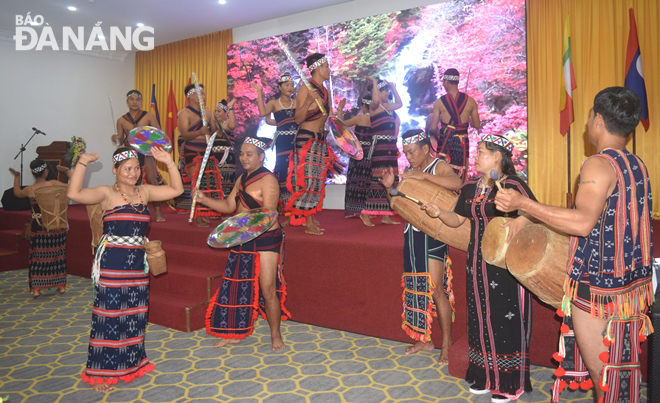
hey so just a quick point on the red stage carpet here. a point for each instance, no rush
(348, 279)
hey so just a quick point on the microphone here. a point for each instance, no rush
(394, 192)
(38, 131)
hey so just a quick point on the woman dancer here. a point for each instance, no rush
(500, 319)
(358, 176)
(47, 253)
(383, 152)
(120, 270)
(283, 108)
(223, 146)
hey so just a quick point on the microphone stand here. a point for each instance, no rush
(20, 153)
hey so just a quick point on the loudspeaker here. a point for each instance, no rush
(13, 203)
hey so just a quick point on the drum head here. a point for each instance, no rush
(142, 138)
(345, 138)
(242, 228)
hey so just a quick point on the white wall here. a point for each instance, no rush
(334, 196)
(64, 94)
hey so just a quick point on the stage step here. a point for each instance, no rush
(11, 248)
(186, 315)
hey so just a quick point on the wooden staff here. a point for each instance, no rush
(300, 72)
(207, 153)
(569, 195)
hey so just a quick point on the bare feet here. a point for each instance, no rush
(312, 228)
(159, 217)
(102, 387)
(36, 294)
(317, 223)
(420, 346)
(278, 344)
(61, 290)
(444, 355)
(201, 223)
(389, 220)
(350, 215)
(224, 342)
(366, 220)
(286, 222)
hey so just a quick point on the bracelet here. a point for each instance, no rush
(231, 109)
(83, 164)
(170, 167)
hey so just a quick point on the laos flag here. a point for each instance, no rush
(634, 72)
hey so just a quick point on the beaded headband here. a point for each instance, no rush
(499, 140)
(192, 91)
(285, 78)
(414, 139)
(134, 93)
(223, 106)
(366, 101)
(450, 77)
(255, 142)
(317, 63)
(383, 84)
(40, 168)
(124, 155)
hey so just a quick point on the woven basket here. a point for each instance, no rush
(53, 204)
(95, 214)
(156, 257)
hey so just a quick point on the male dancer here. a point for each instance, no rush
(425, 260)
(258, 263)
(311, 158)
(133, 118)
(454, 110)
(608, 287)
(192, 137)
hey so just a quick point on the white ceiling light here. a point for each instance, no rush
(139, 24)
(72, 8)
(222, 1)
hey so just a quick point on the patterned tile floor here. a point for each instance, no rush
(43, 349)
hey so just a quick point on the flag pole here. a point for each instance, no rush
(634, 141)
(569, 195)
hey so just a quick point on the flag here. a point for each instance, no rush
(154, 105)
(170, 117)
(566, 97)
(634, 73)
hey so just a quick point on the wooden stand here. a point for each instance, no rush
(55, 154)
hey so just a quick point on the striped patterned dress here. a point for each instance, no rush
(286, 131)
(383, 153)
(47, 255)
(358, 177)
(119, 316)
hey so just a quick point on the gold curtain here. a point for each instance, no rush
(599, 39)
(205, 55)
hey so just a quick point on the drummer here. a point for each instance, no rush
(499, 320)
(425, 260)
(608, 289)
(233, 320)
(133, 118)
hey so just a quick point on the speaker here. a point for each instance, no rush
(13, 203)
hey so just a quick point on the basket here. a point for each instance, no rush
(95, 214)
(53, 204)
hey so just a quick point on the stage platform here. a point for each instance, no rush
(347, 279)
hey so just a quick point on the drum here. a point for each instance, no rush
(95, 214)
(537, 257)
(427, 192)
(493, 242)
(53, 204)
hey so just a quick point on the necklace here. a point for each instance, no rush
(123, 196)
(290, 103)
(385, 109)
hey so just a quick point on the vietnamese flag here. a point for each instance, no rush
(566, 97)
(154, 105)
(170, 116)
(634, 72)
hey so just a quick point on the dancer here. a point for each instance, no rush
(223, 146)
(425, 259)
(358, 176)
(133, 118)
(454, 111)
(383, 152)
(311, 157)
(283, 108)
(192, 136)
(608, 287)
(235, 305)
(47, 253)
(499, 323)
(120, 271)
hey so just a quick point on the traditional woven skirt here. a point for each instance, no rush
(384, 156)
(238, 302)
(358, 177)
(47, 258)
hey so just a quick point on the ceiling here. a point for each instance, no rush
(172, 20)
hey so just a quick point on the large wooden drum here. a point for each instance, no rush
(537, 256)
(493, 242)
(53, 203)
(427, 192)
